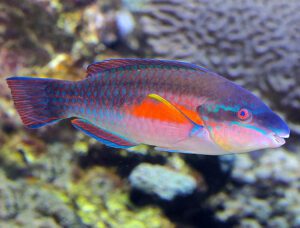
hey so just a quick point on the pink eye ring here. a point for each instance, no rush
(244, 114)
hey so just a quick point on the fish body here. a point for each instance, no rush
(172, 105)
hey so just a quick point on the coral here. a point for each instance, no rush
(55, 166)
(135, 5)
(70, 5)
(25, 204)
(62, 66)
(34, 32)
(25, 155)
(252, 42)
(101, 201)
(49, 205)
(106, 24)
(264, 189)
(9, 202)
(161, 181)
(11, 61)
(26, 34)
(275, 166)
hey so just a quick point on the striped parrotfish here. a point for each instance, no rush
(172, 105)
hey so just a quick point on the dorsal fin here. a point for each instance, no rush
(110, 64)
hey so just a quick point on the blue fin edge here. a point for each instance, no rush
(106, 142)
(34, 126)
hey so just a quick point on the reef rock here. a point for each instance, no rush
(102, 200)
(263, 190)
(160, 181)
(25, 204)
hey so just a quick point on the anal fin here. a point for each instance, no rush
(172, 150)
(101, 135)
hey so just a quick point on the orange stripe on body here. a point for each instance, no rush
(152, 109)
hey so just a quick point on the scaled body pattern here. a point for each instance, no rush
(175, 106)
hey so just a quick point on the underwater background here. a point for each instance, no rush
(57, 177)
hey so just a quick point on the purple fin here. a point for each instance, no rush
(103, 136)
(110, 64)
(31, 100)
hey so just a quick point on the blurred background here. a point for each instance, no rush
(57, 177)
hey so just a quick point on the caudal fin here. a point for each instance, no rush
(31, 98)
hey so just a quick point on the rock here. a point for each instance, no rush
(102, 200)
(9, 206)
(161, 181)
(33, 205)
(263, 188)
(276, 166)
(51, 206)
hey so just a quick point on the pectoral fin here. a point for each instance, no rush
(156, 107)
(186, 123)
(101, 135)
(176, 111)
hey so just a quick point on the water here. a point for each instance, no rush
(57, 177)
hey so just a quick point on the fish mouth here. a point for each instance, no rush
(279, 139)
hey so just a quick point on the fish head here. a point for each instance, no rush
(238, 121)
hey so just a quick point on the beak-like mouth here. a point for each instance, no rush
(279, 139)
(285, 135)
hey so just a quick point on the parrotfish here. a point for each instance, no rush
(172, 105)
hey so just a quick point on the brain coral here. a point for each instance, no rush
(254, 42)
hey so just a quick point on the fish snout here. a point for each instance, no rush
(277, 140)
(282, 130)
(280, 134)
(284, 134)
(279, 130)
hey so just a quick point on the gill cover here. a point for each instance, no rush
(233, 128)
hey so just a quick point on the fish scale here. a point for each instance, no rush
(109, 106)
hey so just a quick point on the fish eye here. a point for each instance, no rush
(244, 114)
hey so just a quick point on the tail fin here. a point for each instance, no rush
(31, 99)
